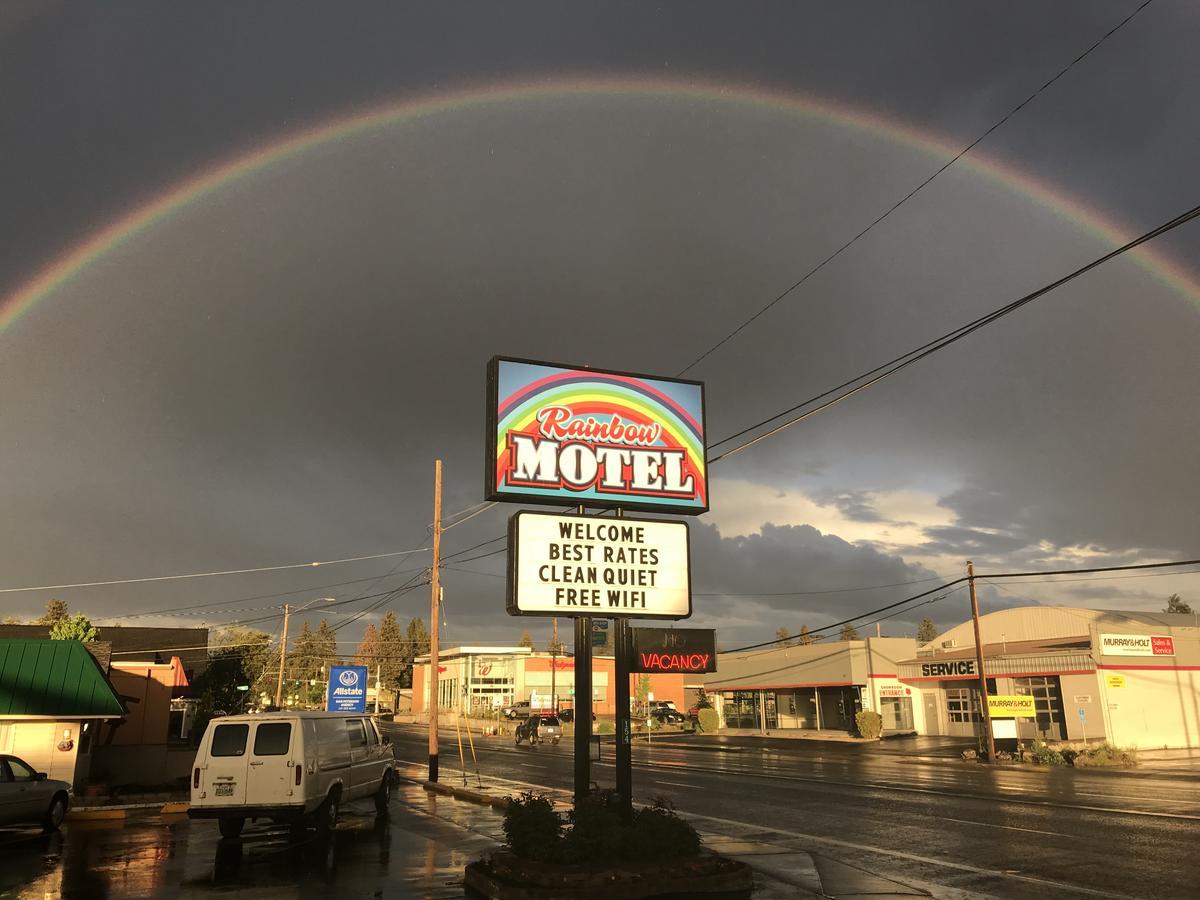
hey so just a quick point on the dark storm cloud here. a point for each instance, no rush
(269, 376)
(856, 505)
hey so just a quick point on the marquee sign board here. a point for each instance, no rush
(689, 650)
(567, 435)
(587, 566)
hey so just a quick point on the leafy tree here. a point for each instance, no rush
(784, 637)
(526, 640)
(56, 611)
(416, 637)
(848, 633)
(393, 653)
(805, 638)
(74, 628)
(236, 657)
(1176, 604)
(367, 653)
(642, 692)
(926, 631)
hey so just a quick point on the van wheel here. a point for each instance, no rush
(327, 816)
(56, 813)
(383, 796)
(231, 826)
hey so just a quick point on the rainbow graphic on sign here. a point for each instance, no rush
(576, 436)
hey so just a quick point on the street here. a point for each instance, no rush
(1004, 832)
(416, 852)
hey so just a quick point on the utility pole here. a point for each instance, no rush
(282, 657)
(554, 663)
(434, 616)
(985, 713)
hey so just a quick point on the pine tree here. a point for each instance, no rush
(56, 611)
(806, 638)
(1175, 604)
(393, 652)
(302, 674)
(416, 637)
(849, 633)
(526, 640)
(368, 648)
(926, 631)
(784, 637)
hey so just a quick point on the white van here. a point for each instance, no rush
(289, 767)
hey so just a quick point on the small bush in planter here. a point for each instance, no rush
(532, 828)
(869, 724)
(596, 834)
(658, 833)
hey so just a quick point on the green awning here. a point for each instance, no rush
(54, 678)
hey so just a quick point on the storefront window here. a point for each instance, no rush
(960, 705)
(1047, 700)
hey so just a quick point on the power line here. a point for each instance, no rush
(307, 565)
(852, 590)
(895, 206)
(958, 581)
(303, 590)
(907, 359)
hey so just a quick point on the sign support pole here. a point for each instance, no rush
(985, 713)
(583, 704)
(434, 615)
(622, 651)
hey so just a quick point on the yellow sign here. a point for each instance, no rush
(1115, 681)
(1009, 706)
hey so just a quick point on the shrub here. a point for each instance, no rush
(532, 828)
(869, 724)
(709, 720)
(658, 833)
(1104, 754)
(1045, 755)
(596, 834)
(605, 728)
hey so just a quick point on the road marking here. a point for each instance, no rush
(533, 766)
(1006, 827)
(677, 784)
(962, 867)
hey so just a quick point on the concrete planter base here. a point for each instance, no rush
(502, 876)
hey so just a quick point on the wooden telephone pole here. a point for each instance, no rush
(282, 657)
(434, 616)
(985, 712)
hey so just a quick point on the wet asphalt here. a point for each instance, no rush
(907, 809)
(957, 830)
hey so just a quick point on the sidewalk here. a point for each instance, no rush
(781, 869)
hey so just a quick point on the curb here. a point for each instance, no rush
(466, 794)
(118, 810)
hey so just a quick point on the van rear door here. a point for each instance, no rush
(224, 778)
(271, 768)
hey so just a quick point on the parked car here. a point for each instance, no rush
(668, 716)
(517, 710)
(29, 796)
(694, 711)
(294, 767)
(538, 729)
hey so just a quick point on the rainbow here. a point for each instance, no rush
(603, 394)
(143, 218)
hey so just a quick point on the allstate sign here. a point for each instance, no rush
(347, 690)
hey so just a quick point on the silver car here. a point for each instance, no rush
(29, 796)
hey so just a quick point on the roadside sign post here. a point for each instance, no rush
(581, 437)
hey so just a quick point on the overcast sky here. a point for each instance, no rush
(265, 376)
